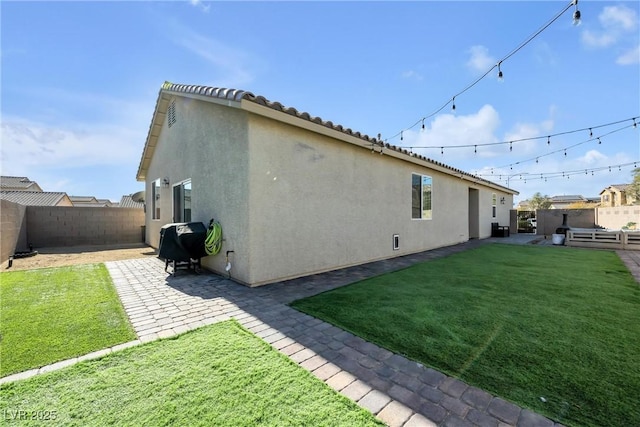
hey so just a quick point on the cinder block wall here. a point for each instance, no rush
(550, 219)
(617, 217)
(73, 226)
(13, 229)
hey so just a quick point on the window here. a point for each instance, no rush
(182, 202)
(494, 204)
(421, 196)
(155, 199)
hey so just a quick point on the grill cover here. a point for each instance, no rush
(182, 241)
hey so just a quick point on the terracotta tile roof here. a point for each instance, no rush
(34, 198)
(241, 95)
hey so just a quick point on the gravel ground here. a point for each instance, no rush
(72, 255)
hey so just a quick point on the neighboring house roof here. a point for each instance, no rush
(18, 183)
(619, 187)
(274, 110)
(35, 198)
(127, 202)
(83, 199)
(568, 199)
(90, 202)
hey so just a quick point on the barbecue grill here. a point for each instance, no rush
(182, 244)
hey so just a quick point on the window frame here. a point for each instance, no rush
(424, 214)
(494, 204)
(179, 201)
(155, 199)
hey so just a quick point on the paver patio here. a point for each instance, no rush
(399, 391)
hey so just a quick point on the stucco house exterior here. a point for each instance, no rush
(616, 195)
(297, 195)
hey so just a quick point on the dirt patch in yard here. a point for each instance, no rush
(73, 255)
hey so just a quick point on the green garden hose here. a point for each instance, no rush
(213, 242)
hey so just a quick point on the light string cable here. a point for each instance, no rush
(527, 176)
(497, 65)
(532, 138)
(560, 150)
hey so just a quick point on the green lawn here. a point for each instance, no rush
(556, 330)
(52, 314)
(219, 375)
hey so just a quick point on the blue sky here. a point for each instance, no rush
(80, 82)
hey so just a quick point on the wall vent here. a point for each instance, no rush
(396, 242)
(171, 113)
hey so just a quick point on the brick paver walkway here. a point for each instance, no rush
(399, 391)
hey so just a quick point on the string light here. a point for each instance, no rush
(509, 55)
(534, 138)
(590, 133)
(576, 15)
(562, 174)
(566, 148)
(599, 142)
(500, 75)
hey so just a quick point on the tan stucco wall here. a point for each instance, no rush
(292, 202)
(319, 204)
(13, 229)
(547, 220)
(207, 144)
(618, 217)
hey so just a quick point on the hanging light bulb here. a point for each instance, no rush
(576, 15)
(453, 104)
(500, 75)
(549, 140)
(536, 160)
(475, 149)
(510, 146)
(401, 136)
(599, 142)
(442, 150)
(422, 124)
(635, 125)
(590, 133)
(565, 153)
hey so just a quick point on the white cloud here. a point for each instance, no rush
(447, 129)
(27, 145)
(616, 22)
(198, 3)
(619, 18)
(234, 66)
(479, 59)
(411, 74)
(632, 56)
(598, 39)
